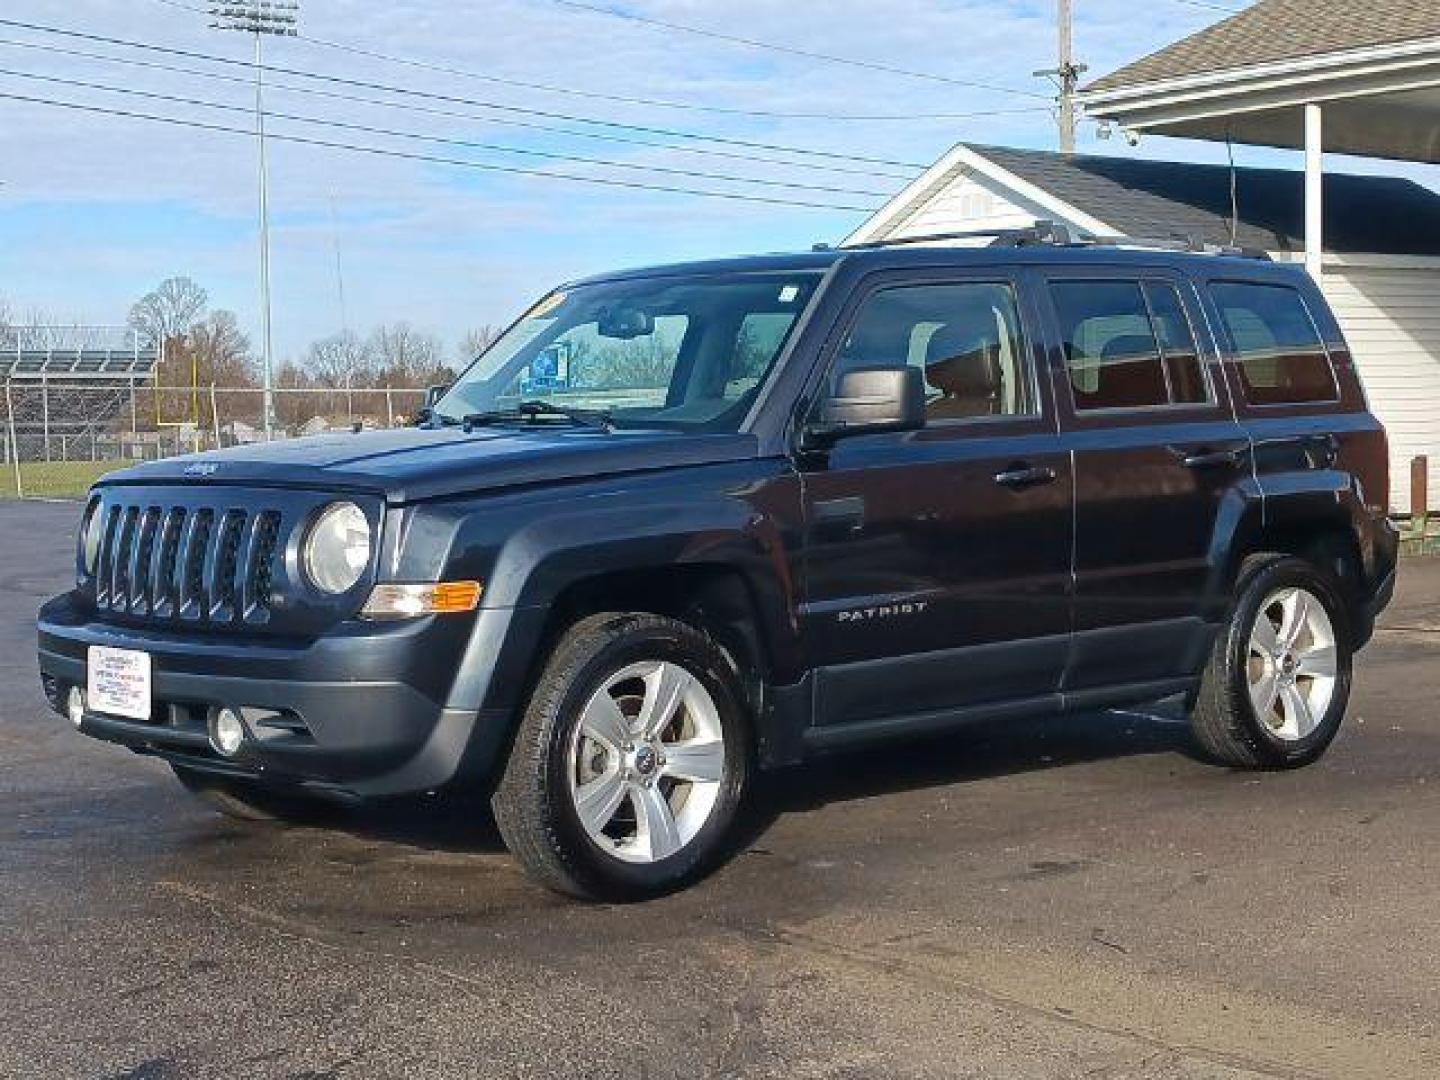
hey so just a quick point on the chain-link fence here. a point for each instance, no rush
(60, 435)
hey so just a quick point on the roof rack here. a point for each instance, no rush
(1057, 235)
(1180, 242)
(1042, 232)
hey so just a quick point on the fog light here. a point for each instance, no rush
(75, 706)
(227, 732)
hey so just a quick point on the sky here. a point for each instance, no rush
(96, 209)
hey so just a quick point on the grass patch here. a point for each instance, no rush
(55, 479)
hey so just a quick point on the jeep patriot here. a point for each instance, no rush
(682, 524)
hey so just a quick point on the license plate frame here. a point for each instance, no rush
(119, 682)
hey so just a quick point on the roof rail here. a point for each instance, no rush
(1057, 235)
(1042, 232)
(1181, 242)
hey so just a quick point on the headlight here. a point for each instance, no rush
(92, 535)
(337, 548)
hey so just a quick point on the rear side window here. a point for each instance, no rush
(1128, 345)
(1283, 360)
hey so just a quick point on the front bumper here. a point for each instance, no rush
(365, 710)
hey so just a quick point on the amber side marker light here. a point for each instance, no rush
(395, 601)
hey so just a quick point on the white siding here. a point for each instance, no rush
(965, 201)
(1392, 320)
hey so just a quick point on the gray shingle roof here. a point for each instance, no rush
(1275, 30)
(1160, 199)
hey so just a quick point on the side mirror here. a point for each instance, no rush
(867, 401)
(434, 393)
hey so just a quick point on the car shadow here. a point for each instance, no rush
(463, 823)
(981, 751)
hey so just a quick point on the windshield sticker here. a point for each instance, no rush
(789, 293)
(546, 306)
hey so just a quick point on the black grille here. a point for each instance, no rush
(197, 565)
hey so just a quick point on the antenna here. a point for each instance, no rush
(1234, 189)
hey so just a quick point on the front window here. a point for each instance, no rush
(965, 337)
(686, 352)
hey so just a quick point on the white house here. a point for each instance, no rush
(1382, 244)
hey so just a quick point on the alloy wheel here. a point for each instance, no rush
(647, 762)
(1291, 667)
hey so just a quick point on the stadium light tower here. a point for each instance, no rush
(274, 18)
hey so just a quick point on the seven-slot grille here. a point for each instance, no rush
(193, 564)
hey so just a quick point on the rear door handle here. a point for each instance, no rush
(1024, 476)
(1205, 457)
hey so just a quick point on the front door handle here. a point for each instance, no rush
(1024, 476)
(844, 512)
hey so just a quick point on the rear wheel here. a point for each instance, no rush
(630, 763)
(247, 801)
(1278, 681)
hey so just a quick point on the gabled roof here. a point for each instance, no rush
(1369, 215)
(1273, 31)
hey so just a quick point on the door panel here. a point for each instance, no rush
(947, 589)
(1153, 474)
(937, 565)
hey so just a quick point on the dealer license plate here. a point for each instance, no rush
(119, 682)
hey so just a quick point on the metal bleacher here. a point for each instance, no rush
(76, 354)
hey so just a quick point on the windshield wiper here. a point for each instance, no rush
(530, 411)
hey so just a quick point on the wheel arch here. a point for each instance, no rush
(1320, 530)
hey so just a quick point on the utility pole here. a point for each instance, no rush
(1066, 75)
(275, 18)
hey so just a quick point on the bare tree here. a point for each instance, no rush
(474, 342)
(407, 357)
(292, 408)
(170, 310)
(221, 351)
(341, 361)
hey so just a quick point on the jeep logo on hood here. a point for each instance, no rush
(201, 468)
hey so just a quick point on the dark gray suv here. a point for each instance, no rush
(681, 524)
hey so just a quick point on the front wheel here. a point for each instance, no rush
(630, 763)
(1275, 690)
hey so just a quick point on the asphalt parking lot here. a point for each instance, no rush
(1077, 898)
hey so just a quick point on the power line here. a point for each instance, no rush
(661, 102)
(405, 106)
(453, 99)
(657, 103)
(439, 139)
(596, 95)
(1208, 6)
(402, 155)
(789, 50)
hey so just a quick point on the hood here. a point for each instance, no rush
(410, 464)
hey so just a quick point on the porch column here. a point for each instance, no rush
(1314, 190)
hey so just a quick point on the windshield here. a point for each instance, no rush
(667, 352)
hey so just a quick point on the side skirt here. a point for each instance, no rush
(818, 740)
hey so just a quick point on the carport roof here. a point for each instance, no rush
(1276, 30)
(1374, 67)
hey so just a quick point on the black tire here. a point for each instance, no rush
(1224, 720)
(247, 801)
(533, 805)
